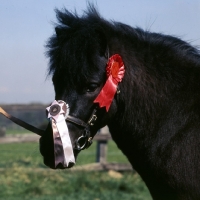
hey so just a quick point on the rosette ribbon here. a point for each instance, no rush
(115, 73)
(63, 151)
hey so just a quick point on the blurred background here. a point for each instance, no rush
(25, 91)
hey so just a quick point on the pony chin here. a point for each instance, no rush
(59, 166)
(51, 163)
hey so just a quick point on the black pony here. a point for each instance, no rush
(154, 117)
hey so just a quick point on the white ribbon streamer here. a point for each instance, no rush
(59, 117)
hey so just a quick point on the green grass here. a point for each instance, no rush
(17, 131)
(48, 184)
(24, 176)
(20, 155)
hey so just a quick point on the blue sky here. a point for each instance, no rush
(27, 24)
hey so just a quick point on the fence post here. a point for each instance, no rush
(101, 152)
(2, 131)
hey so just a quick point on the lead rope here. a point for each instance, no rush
(22, 123)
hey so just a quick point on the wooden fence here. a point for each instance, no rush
(102, 139)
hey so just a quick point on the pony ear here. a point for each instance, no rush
(104, 50)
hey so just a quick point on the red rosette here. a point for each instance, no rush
(115, 73)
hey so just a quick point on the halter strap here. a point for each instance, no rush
(76, 121)
(80, 122)
(85, 140)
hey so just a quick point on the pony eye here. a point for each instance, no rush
(91, 87)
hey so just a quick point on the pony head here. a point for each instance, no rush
(80, 67)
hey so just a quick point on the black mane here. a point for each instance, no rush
(70, 24)
(76, 33)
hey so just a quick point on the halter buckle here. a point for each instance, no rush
(83, 142)
(92, 120)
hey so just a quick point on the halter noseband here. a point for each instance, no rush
(85, 140)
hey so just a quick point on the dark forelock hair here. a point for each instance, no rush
(75, 43)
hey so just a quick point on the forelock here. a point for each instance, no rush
(72, 49)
